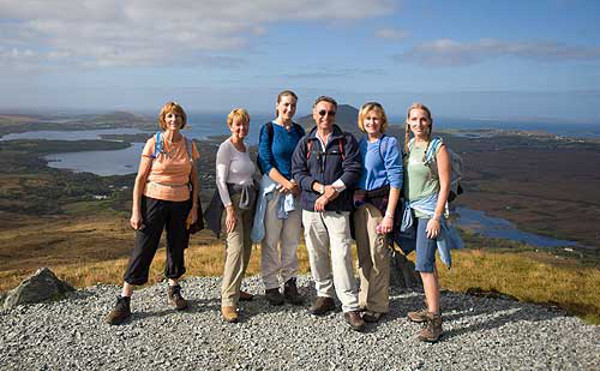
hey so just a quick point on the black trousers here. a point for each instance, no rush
(158, 215)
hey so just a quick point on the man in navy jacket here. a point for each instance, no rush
(326, 165)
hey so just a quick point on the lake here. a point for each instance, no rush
(478, 222)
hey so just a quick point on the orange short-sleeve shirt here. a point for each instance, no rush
(170, 172)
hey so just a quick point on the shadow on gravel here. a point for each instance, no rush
(203, 305)
(512, 312)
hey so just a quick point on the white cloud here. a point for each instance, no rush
(152, 32)
(448, 52)
(392, 34)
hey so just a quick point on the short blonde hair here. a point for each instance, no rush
(239, 113)
(364, 111)
(173, 107)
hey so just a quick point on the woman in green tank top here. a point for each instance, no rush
(423, 184)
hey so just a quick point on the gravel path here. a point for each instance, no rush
(480, 333)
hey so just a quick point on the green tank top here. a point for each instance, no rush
(420, 182)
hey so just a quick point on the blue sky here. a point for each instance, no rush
(471, 59)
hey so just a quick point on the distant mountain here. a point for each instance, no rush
(346, 117)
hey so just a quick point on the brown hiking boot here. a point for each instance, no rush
(229, 314)
(433, 330)
(354, 320)
(244, 296)
(418, 316)
(290, 292)
(321, 306)
(274, 297)
(121, 311)
(175, 299)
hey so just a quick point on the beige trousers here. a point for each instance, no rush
(238, 249)
(278, 247)
(327, 236)
(373, 260)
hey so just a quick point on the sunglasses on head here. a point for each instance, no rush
(323, 112)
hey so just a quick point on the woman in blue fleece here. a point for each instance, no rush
(375, 199)
(277, 142)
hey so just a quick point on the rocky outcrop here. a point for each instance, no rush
(41, 286)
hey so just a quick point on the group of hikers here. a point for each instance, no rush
(335, 187)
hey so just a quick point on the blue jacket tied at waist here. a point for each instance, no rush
(446, 240)
(266, 192)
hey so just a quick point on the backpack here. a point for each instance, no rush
(270, 134)
(456, 166)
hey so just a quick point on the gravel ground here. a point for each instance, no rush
(480, 333)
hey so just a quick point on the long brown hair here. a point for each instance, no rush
(285, 93)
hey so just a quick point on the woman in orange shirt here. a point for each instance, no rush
(162, 199)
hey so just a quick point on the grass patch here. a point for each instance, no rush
(523, 275)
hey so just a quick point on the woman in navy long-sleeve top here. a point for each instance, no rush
(277, 142)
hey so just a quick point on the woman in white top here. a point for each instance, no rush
(237, 191)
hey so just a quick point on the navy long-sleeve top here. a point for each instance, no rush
(279, 154)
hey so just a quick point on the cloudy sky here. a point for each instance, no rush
(485, 59)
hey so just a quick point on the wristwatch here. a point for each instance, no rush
(321, 189)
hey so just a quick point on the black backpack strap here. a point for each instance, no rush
(270, 132)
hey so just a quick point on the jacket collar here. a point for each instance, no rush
(335, 134)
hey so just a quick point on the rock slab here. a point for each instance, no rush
(43, 285)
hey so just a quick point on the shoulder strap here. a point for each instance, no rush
(270, 132)
(433, 145)
(309, 147)
(157, 145)
(341, 145)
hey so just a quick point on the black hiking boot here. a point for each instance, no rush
(290, 292)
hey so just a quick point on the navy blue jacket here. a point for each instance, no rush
(307, 171)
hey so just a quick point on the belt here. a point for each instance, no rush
(168, 185)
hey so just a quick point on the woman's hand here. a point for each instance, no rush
(192, 217)
(230, 220)
(320, 203)
(386, 225)
(433, 228)
(136, 220)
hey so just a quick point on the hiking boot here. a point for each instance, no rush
(244, 296)
(274, 297)
(121, 311)
(321, 306)
(354, 320)
(175, 299)
(433, 329)
(372, 317)
(229, 314)
(290, 291)
(418, 317)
